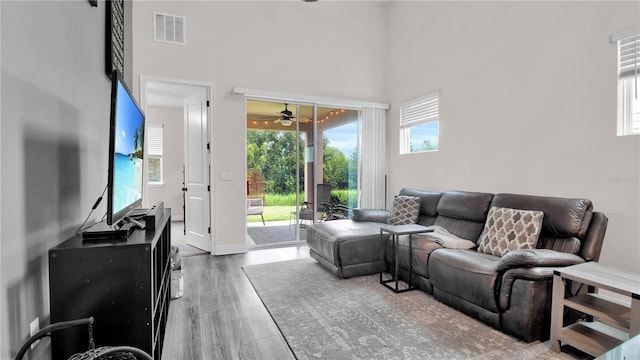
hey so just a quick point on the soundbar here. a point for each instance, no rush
(154, 215)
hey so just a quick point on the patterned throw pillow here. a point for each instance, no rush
(510, 229)
(405, 210)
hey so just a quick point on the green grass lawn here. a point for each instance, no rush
(273, 213)
(280, 206)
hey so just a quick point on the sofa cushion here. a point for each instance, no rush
(405, 210)
(510, 229)
(463, 213)
(446, 239)
(374, 215)
(564, 217)
(428, 204)
(467, 274)
(421, 248)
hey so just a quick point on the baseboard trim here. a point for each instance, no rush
(229, 249)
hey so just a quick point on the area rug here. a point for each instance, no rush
(274, 234)
(323, 317)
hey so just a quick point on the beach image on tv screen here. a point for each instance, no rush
(129, 140)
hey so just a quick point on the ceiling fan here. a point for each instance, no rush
(286, 116)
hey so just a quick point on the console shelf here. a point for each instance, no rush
(123, 284)
(606, 309)
(588, 339)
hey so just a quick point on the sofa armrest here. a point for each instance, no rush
(536, 258)
(592, 242)
(373, 215)
(530, 274)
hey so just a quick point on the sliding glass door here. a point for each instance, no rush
(338, 134)
(305, 160)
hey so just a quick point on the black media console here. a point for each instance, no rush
(123, 283)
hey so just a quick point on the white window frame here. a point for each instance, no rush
(415, 112)
(628, 71)
(156, 149)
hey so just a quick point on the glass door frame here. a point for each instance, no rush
(315, 101)
(312, 180)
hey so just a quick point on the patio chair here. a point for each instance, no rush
(323, 199)
(105, 352)
(337, 212)
(323, 204)
(255, 193)
(256, 207)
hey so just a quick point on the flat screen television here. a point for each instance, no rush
(126, 149)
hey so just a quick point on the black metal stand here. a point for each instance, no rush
(392, 283)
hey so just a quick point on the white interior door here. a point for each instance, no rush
(197, 200)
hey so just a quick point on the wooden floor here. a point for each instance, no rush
(220, 316)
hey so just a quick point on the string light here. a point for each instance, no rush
(332, 113)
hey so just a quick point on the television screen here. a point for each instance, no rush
(126, 149)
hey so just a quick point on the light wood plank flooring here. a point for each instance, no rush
(220, 316)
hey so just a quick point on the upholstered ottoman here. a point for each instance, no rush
(347, 248)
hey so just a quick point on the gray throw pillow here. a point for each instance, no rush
(510, 229)
(405, 210)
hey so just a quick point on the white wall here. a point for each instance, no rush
(333, 49)
(527, 104)
(173, 158)
(54, 141)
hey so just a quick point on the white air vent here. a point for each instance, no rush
(169, 28)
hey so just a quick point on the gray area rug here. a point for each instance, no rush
(274, 234)
(323, 317)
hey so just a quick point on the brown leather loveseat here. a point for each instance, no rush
(510, 292)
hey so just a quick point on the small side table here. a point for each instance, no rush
(396, 231)
(595, 338)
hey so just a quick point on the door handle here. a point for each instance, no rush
(184, 189)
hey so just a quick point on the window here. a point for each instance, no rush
(628, 71)
(419, 124)
(154, 154)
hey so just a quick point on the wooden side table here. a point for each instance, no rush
(396, 231)
(611, 317)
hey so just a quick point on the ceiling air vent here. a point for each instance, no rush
(169, 28)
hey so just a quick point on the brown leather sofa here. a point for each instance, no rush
(511, 293)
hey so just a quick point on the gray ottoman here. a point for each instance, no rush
(347, 248)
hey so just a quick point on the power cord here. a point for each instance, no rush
(95, 205)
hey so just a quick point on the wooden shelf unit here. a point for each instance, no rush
(606, 309)
(614, 321)
(123, 284)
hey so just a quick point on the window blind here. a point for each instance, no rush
(154, 139)
(629, 56)
(420, 110)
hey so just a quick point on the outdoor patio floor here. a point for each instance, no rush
(274, 233)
